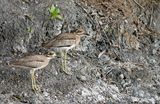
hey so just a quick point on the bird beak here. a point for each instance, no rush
(57, 55)
(84, 35)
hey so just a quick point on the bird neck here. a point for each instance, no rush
(49, 58)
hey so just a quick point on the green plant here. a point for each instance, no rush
(54, 12)
(29, 29)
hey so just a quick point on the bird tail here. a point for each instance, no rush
(5, 63)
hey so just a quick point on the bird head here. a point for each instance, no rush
(50, 54)
(81, 32)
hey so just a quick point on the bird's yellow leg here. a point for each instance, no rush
(35, 87)
(62, 55)
(65, 61)
(66, 70)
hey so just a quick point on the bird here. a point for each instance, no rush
(33, 63)
(64, 42)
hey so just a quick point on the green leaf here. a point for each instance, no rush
(59, 17)
(54, 12)
(52, 9)
(29, 29)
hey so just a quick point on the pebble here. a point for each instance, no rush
(82, 78)
(121, 76)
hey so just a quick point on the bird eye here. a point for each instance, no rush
(51, 53)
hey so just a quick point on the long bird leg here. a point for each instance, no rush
(66, 70)
(35, 87)
(64, 62)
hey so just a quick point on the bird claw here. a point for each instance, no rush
(36, 88)
(68, 72)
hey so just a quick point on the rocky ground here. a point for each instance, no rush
(118, 63)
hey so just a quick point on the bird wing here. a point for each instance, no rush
(33, 61)
(28, 64)
(62, 40)
(33, 58)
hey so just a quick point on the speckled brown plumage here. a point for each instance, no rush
(65, 42)
(32, 63)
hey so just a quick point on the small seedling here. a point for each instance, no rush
(54, 12)
(29, 29)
